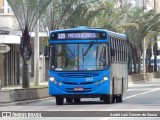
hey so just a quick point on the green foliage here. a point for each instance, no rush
(28, 12)
(144, 25)
(70, 13)
(136, 22)
(111, 17)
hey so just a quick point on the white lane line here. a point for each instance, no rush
(106, 118)
(141, 93)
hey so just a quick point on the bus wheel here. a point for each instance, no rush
(59, 100)
(101, 98)
(119, 98)
(69, 100)
(107, 99)
(76, 100)
(113, 98)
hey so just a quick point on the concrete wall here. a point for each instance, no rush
(7, 96)
(141, 77)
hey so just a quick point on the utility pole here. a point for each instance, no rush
(1, 70)
(143, 6)
(155, 5)
(144, 56)
(36, 54)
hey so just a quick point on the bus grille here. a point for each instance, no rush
(74, 83)
(78, 75)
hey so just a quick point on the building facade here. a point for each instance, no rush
(10, 65)
(10, 73)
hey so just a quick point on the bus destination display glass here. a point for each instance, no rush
(80, 36)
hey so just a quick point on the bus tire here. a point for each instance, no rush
(119, 98)
(113, 96)
(101, 98)
(107, 99)
(59, 100)
(76, 100)
(69, 100)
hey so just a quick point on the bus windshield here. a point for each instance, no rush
(74, 57)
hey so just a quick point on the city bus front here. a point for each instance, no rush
(79, 70)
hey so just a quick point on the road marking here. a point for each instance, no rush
(141, 93)
(106, 118)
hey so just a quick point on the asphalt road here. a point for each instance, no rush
(140, 97)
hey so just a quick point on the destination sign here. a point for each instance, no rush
(79, 36)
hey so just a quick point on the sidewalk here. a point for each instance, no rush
(20, 86)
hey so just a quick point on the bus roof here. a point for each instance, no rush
(110, 33)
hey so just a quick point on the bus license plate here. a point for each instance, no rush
(78, 89)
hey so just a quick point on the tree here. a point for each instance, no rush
(27, 13)
(70, 13)
(138, 27)
(151, 42)
(111, 16)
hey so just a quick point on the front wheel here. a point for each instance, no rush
(69, 100)
(59, 100)
(113, 98)
(119, 98)
(107, 99)
(76, 100)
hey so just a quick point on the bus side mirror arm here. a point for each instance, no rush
(46, 51)
(112, 51)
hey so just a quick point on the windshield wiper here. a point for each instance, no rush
(89, 47)
(70, 51)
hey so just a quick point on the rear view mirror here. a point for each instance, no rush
(46, 51)
(112, 51)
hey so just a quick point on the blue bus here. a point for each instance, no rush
(87, 63)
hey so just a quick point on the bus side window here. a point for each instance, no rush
(112, 51)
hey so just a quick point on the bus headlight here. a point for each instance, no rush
(52, 79)
(55, 82)
(101, 81)
(97, 83)
(105, 78)
(60, 83)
